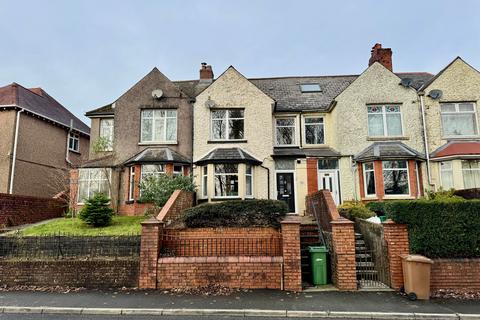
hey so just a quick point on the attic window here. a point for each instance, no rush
(310, 87)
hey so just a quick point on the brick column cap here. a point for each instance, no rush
(342, 220)
(151, 221)
(291, 219)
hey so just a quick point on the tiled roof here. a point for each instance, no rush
(37, 101)
(387, 150)
(228, 155)
(158, 155)
(457, 149)
(323, 152)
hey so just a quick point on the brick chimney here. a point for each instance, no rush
(382, 55)
(206, 73)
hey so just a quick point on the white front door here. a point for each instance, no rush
(328, 179)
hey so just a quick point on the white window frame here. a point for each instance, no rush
(294, 126)
(131, 184)
(251, 180)
(304, 138)
(442, 170)
(74, 140)
(227, 118)
(205, 182)
(177, 173)
(143, 175)
(215, 174)
(457, 111)
(153, 118)
(369, 195)
(89, 180)
(470, 169)
(396, 169)
(109, 129)
(384, 116)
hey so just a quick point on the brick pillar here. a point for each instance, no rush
(73, 189)
(379, 186)
(292, 268)
(312, 175)
(152, 230)
(396, 238)
(343, 240)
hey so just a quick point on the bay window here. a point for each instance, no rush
(228, 124)
(459, 119)
(131, 184)
(369, 178)
(471, 173)
(205, 182)
(248, 181)
(314, 131)
(91, 182)
(152, 170)
(395, 177)
(446, 175)
(226, 180)
(384, 121)
(106, 132)
(159, 126)
(177, 170)
(285, 131)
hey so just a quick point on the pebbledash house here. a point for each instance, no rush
(379, 135)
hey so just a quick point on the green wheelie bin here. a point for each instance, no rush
(318, 256)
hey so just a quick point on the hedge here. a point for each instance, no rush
(236, 213)
(440, 228)
(468, 193)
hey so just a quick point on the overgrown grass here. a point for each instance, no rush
(121, 225)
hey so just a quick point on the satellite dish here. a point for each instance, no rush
(157, 94)
(210, 103)
(435, 94)
(406, 82)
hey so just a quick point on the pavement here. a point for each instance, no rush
(268, 303)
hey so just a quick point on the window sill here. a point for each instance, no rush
(74, 151)
(313, 146)
(157, 143)
(287, 146)
(227, 141)
(225, 198)
(393, 138)
(477, 137)
(130, 202)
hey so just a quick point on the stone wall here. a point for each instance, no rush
(16, 210)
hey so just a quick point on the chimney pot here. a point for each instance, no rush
(206, 73)
(381, 55)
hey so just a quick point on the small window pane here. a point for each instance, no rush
(466, 107)
(285, 122)
(448, 107)
(235, 113)
(375, 125)
(226, 168)
(325, 164)
(394, 124)
(368, 166)
(218, 114)
(285, 135)
(285, 164)
(235, 129)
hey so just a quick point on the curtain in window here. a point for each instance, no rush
(459, 124)
(446, 175)
(471, 174)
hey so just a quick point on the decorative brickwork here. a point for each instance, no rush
(232, 272)
(343, 240)
(178, 201)
(312, 175)
(396, 238)
(16, 210)
(149, 249)
(90, 274)
(292, 271)
(455, 274)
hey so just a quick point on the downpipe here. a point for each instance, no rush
(425, 141)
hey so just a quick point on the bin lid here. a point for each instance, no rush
(318, 249)
(417, 258)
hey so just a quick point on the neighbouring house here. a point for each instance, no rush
(41, 140)
(452, 126)
(145, 132)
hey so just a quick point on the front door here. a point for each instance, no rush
(286, 189)
(328, 180)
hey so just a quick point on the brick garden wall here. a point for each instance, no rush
(90, 274)
(178, 201)
(233, 272)
(16, 210)
(455, 274)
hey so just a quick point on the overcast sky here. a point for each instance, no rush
(87, 53)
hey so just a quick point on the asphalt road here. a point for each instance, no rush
(80, 317)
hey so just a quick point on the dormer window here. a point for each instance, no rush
(310, 87)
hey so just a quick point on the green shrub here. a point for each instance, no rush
(440, 228)
(376, 206)
(442, 195)
(236, 213)
(97, 212)
(158, 189)
(355, 209)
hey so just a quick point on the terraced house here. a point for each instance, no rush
(379, 135)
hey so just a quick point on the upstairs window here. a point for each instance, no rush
(159, 126)
(106, 133)
(73, 142)
(228, 124)
(384, 121)
(226, 180)
(314, 131)
(459, 119)
(471, 173)
(395, 177)
(285, 131)
(310, 87)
